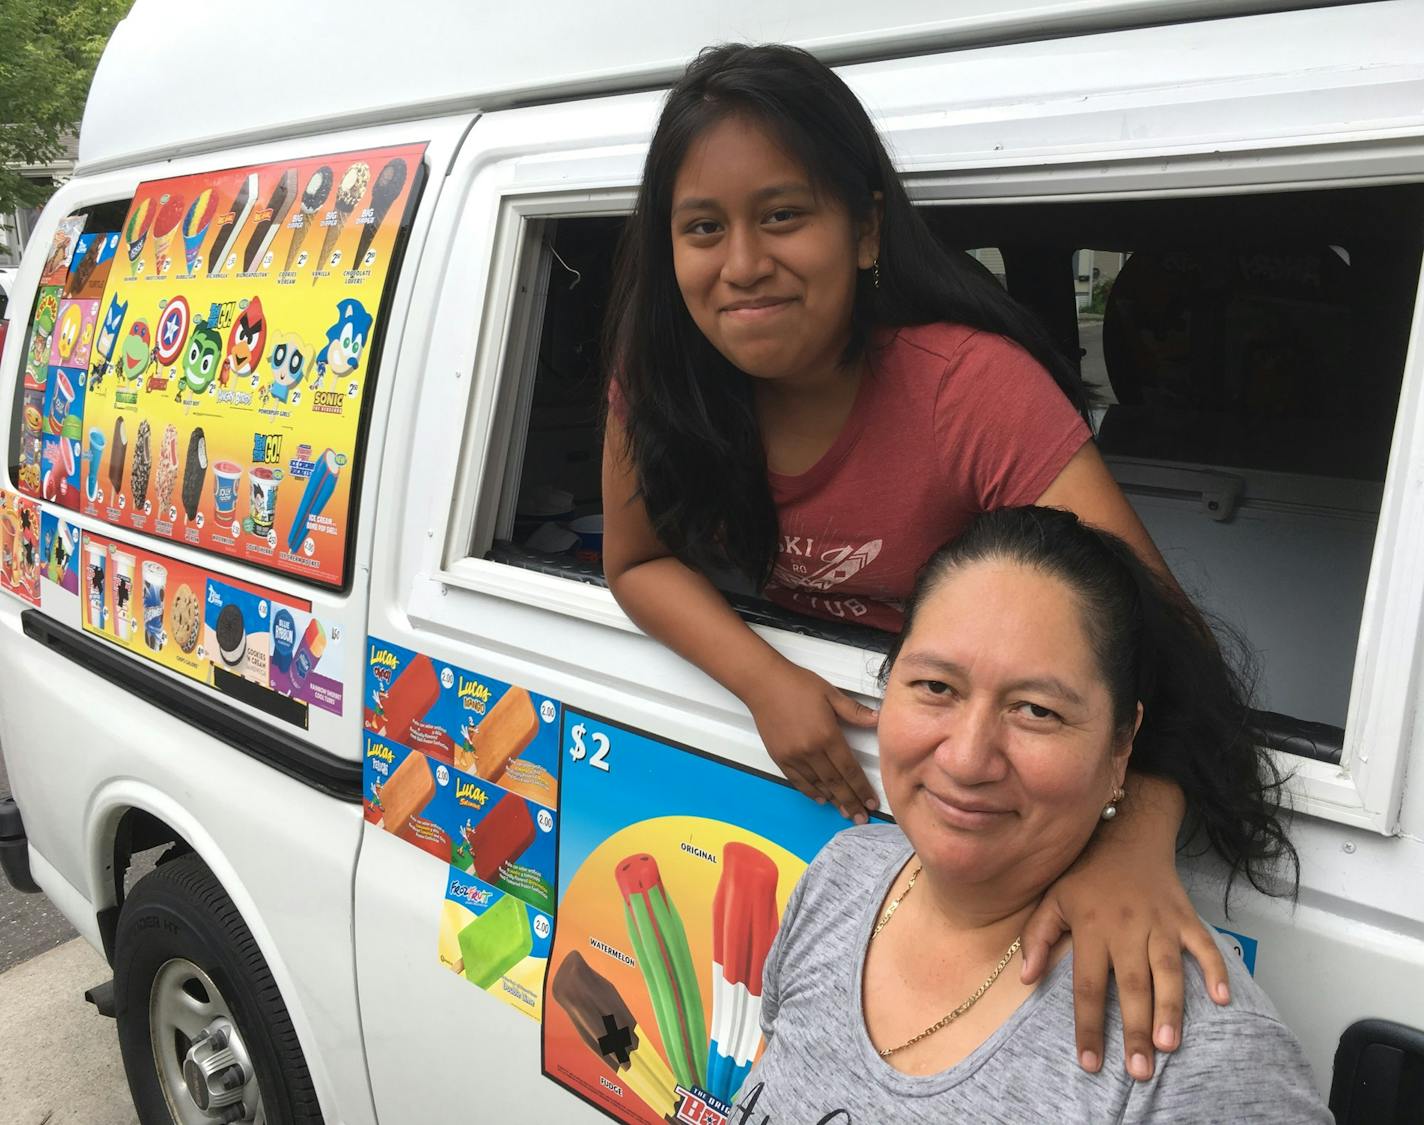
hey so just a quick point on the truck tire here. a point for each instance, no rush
(203, 1031)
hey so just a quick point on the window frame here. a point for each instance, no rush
(1366, 788)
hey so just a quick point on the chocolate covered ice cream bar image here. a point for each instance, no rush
(609, 1030)
(389, 181)
(406, 792)
(118, 454)
(501, 837)
(502, 735)
(195, 471)
(268, 221)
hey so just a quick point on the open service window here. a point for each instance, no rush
(1245, 353)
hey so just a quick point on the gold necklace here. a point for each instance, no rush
(978, 992)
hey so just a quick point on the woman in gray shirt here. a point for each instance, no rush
(1038, 657)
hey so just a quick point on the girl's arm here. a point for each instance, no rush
(797, 713)
(1122, 899)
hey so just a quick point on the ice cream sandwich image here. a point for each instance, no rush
(609, 1030)
(495, 942)
(501, 736)
(406, 792)
(500, 838)
(231, 633)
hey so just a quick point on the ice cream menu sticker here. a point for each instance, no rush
(674, 869)
(465, 767)
(231, 355)
(238, 639)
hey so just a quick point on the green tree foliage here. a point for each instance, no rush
(48, 52)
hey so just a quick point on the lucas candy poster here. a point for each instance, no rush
(231, 358)
(465, 767)
(674, 870)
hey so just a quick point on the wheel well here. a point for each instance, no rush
(138, 832)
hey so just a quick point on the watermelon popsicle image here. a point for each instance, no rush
(353, 186)
(608, 1029)
(389, 181)
(195, 226)
(744, 921)
(660, 943)
(321, 484)
(165, 228)
(315, 194)
(136, 233)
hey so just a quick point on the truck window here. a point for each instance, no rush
(1245, 355)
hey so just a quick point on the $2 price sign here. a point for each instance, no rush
(579, 751)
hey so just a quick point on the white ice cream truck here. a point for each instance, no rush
(302, 397)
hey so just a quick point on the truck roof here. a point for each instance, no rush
(181, 77)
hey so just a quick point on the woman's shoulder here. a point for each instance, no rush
(855, 860)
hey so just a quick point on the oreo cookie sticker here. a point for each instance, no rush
(237, 631)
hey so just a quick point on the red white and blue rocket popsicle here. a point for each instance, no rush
(744, 921)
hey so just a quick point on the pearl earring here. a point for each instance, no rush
(1110, 809)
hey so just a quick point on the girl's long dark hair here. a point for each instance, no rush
(1153, 646)
(691, 430)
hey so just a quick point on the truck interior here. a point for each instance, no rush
(1245, 353)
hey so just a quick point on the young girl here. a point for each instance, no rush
(810, 391)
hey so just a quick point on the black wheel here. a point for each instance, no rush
(204, 1034)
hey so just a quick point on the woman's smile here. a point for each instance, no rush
(966, 813)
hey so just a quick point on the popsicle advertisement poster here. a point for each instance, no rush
(465, 767)
(231, 636)
(231, 355)
(674, 870)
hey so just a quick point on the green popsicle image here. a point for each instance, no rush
(496, 941)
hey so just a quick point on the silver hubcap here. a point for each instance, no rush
(202, 1062)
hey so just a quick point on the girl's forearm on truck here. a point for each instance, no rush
(679, 607)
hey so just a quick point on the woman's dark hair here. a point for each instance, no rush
(692, 434)
(1151, 645)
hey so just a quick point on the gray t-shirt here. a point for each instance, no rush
(1237, 1064)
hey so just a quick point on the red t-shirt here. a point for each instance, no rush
(948, 422)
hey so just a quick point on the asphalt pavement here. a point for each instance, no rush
(59, 1058)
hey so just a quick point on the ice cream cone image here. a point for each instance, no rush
(267, 221)
(353, 187)
(136, 233)
(229, 223)
(195, 226)
(389, 182)
(165, 228)
(317, 190)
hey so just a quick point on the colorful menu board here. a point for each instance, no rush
(230, 359)
(262, 649)
(674, 870)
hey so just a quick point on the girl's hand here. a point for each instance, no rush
(1128, 913)
(798, 716)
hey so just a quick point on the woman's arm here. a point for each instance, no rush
(1122, 899)
(797, 713)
